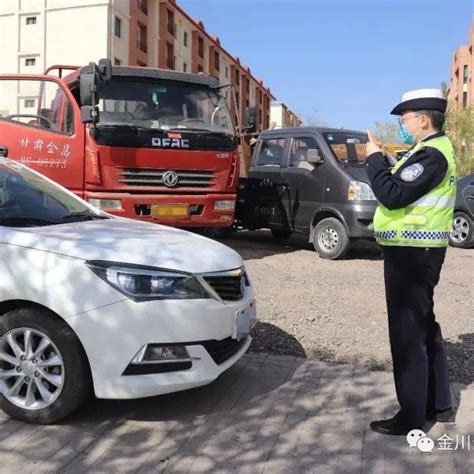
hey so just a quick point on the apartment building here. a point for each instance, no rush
(461, 90)
(35, 34)
(282, 117)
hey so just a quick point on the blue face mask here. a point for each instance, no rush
(407, 137)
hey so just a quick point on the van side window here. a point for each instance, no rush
(299, 151)
(271, 152)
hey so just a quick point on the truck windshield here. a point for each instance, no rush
(348, 148)
(163, 105)
(27, 199)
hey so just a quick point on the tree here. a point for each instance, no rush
(459, 126)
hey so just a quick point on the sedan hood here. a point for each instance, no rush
(127, 241)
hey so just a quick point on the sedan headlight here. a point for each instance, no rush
(141, 283)
(360, 191)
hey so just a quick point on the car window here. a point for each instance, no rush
(36, 103)
(299, 151)
(270, 152)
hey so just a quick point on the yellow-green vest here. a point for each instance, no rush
(427, 221)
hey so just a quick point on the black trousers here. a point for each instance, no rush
(420, 365)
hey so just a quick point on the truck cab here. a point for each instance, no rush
(149, 144)
(310, 181)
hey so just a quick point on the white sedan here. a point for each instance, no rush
(91, 301)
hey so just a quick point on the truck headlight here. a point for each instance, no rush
(360, 191)
(224, 205)
(106, 204)
(141, 283)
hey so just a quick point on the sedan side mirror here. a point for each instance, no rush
(314, 157)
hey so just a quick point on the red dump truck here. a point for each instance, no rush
(148, 144)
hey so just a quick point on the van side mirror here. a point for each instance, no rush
(250, 120)
(314, 157)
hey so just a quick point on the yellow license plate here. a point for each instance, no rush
(170, 210)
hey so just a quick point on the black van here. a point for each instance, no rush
(311, 181)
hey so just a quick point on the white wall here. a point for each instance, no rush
(120, 46)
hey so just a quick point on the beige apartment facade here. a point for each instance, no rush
(35, 34)
(282, 117)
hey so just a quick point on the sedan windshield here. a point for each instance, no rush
(27, 199)
(162, 105)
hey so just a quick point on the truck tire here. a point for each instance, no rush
(461, 234)
(280, 234)
(44, 372)
(330, 239)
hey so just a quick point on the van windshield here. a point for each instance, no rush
(348, 148)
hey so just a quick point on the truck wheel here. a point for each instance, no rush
(330, 239)
(44, 373)
(461, 233)
(281, 234)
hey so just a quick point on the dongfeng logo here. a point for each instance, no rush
(170, 179)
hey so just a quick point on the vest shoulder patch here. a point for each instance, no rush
(410, 173)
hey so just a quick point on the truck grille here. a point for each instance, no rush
(154, 177)
(229, 288)
(220, 351)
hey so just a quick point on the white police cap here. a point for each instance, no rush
(421, 99)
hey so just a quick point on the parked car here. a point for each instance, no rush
(462, 234)
(92, 301)
(312, 181)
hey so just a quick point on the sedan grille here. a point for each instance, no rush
(220, 351)
(228, 287)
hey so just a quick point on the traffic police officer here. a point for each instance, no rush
(412, 223)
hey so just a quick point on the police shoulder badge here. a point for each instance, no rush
(410, 173)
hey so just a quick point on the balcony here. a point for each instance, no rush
(143, 7)
(142, 46)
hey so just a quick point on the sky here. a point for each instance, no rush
(344, 63)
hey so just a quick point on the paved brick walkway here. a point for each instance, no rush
(266, 414)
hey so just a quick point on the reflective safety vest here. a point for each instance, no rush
(427, 221)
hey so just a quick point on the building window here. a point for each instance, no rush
(30, 62)
(200, 68)
(200, 47)
(29, 103)
(227, 72)
(118, 27)
(31, 20)
(185, 38)
(170, 22)
(217, 61)
(142, 38)
(464, 99)
(143, 6)
(185, 67)
(117, 62)
(170, 56)
(465, 75)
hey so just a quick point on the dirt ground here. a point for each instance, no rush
(335, 310)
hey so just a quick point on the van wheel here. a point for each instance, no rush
(330, 239)
(44, 373)
(461, 233)
(281, 234)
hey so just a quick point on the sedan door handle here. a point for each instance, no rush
(3, 151)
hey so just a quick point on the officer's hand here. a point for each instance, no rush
(372, 145)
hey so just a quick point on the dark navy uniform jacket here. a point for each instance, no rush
(398, 190)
